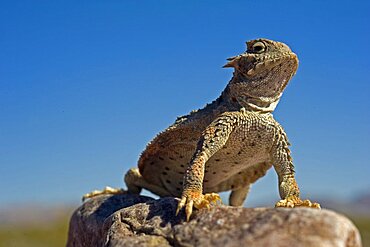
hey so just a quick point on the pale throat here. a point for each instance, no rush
(252, 99)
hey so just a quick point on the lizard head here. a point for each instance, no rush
(262, 72)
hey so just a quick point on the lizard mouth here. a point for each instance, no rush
(270, 61)
(250, 64)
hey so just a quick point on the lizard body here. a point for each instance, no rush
(228, 144)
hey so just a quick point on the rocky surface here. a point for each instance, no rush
(133, 220)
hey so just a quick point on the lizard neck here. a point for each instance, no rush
(238, 94)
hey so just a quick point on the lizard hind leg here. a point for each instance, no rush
(131, 177)
(238, 196)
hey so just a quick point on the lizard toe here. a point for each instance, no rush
(105, 191)
(294, 201)
(197, 200)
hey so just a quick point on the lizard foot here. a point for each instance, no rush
(106, 190)
(294, 201)
(198, 200)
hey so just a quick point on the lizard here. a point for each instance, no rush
(228, 144)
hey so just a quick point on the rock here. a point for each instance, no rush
(133, 220)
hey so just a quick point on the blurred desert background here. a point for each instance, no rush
(84, 85)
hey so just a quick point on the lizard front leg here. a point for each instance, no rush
(288, 188)
(213, 139)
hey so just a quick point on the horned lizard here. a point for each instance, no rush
(228, 144)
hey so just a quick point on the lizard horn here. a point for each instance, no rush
(232, 62)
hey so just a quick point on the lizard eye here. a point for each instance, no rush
(258, 47)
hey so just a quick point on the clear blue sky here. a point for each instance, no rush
(84, 85)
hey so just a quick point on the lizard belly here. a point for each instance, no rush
(243, 150)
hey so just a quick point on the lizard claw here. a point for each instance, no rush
(198, 200)
(294, 201)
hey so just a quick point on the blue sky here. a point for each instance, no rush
(84, 85)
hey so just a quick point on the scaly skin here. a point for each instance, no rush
(228, 144)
